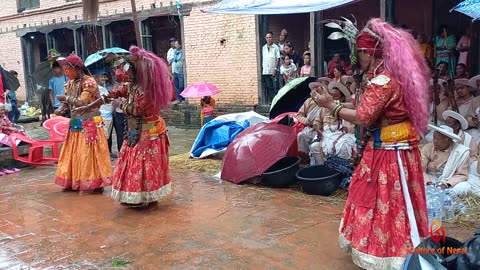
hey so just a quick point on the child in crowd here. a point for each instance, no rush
(306, 70)
(288, 70)
(208, 105)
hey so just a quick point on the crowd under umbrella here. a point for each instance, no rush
(470, 8)
(255, 150)
(291, 97)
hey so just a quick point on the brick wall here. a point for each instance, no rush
(188, 115)
(232, 67)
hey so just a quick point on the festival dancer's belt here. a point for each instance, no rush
(88, 127)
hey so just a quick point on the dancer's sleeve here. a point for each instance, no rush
(374, 101)
(89, 91)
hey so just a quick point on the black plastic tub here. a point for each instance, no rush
(319, 180)
(282, 174)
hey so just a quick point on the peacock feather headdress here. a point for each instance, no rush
(348, 31)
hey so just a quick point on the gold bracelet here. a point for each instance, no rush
(334, 109)
(103, 99)
(340, 107)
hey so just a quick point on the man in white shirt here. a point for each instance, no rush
(171, 53)
(270, 64)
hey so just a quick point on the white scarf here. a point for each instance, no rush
(459, 154)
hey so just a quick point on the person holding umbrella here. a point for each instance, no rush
(207, 103)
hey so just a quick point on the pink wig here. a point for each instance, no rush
(404, 61)
(153, 77)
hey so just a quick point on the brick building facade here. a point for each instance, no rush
(219, 49)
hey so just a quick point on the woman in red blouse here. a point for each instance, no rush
(385, 214)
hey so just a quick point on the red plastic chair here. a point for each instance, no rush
(61, 129)
(55, 136)
(35, 153)
(49, 125)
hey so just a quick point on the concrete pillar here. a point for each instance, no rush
(75, 41)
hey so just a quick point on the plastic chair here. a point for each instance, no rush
(49, 125)
(61, 129)
(56, 137)
(35, 153)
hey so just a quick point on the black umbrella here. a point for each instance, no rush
(11, 81)
(43, 73)
(291, 97)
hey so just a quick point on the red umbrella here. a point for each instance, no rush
(297, 127)
(255, 150)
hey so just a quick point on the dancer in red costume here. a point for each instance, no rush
(385, 213)
(141, 174)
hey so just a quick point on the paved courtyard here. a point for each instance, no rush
(204, 224)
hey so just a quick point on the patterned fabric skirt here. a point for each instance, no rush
(379, 233)
(84, 162)
(141, 173)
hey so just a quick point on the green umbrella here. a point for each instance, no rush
(291, 97)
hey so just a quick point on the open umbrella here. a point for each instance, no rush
(470, 8)
(43, 73)
(200, 90)
(291, 97)
(11, 80)
(255, 150)
(100, 55)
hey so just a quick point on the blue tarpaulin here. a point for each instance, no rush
(216, 135)
(470, 8)
(275, 6)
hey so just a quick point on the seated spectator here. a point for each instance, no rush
(461, 72)
(443, 71)
(325, 81)
(338, 73)
(6, 128)
(347, 81)
(332, 64)
(307, 115)
(445, 161)
(334, 136)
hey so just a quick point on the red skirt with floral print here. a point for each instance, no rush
(141, 174)
(375, 224)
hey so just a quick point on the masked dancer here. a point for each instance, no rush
(141, 174)
(385, 214)
(84, 162)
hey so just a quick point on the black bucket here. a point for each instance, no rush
(319, 180)
(282, 173)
